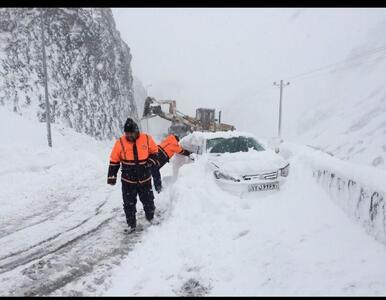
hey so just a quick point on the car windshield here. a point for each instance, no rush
(232, 145)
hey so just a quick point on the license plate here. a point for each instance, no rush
(263, 187)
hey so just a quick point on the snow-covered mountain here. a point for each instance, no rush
(349, 119)
(89, 70)
(61, 229)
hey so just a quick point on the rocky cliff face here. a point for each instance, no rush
(89, 74)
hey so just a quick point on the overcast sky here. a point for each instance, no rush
(227, 58)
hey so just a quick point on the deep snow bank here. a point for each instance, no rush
(33, 176)
(292, 242)
(359, 190)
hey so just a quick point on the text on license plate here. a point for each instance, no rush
(263, 186)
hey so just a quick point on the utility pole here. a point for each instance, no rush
(48, 118)
(147, 119)
(281, 85)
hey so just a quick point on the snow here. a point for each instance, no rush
(354, 132)
(218, 134)
(249, 163)
(371, 177)
(196, 140)
(350, 104)
(30, 168)
(292, 242)
(358, 189)
(61, 227)
(59, 218)
(61, 230)
(99, 66)
(198, 137)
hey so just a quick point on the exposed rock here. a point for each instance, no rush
(89, 72)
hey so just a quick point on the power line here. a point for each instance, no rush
(306, 74)
(326, 67)
(342, 68)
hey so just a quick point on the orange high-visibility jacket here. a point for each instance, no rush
(133, 157)
(170, 146)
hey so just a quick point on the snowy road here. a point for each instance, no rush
(61, 231)
(69, 247)
(62, 226)
(296, 241)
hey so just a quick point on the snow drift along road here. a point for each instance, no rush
(293, 242)
(61, 230)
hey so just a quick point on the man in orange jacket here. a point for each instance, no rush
(168, 147)
(137, 153)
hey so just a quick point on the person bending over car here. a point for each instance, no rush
(168, 147)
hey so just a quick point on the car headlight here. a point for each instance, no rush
(285, 171)
(220, 175)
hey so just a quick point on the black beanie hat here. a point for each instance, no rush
(131, 126)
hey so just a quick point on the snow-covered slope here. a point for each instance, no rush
(349, 119)
(29, 168)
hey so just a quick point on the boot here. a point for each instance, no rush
(129, 230)
(131, 221)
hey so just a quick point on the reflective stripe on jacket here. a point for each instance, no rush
(133, 158)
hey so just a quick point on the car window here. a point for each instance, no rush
(213, 142)
(233, 144)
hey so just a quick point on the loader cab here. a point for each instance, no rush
(179, 129)
(205, 117)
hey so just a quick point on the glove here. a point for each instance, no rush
(112, 180)
(185, 152)
(158, 188)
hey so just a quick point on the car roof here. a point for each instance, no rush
(196, 138)
(199, 135)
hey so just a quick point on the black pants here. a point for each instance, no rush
(155, 173)
(156, 178)
(146, 196)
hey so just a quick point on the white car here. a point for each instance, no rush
(238, 161)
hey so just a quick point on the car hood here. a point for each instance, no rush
(247, 163)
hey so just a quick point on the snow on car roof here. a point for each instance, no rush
(199, 135)
(194, 140)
